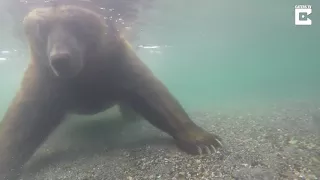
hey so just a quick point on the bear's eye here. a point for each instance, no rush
(76, 28)
(37, 30)
(41, 31)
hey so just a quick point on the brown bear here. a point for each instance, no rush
(78, 66)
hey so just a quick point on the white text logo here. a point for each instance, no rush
(301, 14)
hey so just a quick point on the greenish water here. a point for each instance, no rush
(220, 52)
(228, 52)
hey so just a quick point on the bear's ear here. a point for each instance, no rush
(112, 31)
(116, 34)
(54, 5)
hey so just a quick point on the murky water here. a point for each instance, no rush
(212, 53)
(215, 52)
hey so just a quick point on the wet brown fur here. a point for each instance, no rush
(112, 73)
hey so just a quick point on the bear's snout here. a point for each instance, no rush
(60, 63)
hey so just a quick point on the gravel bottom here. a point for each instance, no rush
(276, 142)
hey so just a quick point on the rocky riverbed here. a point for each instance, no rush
(277, 142)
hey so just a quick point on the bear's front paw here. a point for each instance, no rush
(198, 142)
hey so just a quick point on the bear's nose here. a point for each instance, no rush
(60, 61)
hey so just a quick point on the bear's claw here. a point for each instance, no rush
(199, 142)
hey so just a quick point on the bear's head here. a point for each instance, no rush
(63, 38)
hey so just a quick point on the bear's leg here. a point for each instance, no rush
(34, 113)
(152, 100)
(128, 114)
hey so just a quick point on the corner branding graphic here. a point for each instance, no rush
(301, 15)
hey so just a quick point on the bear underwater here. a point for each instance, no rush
(78, 66)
